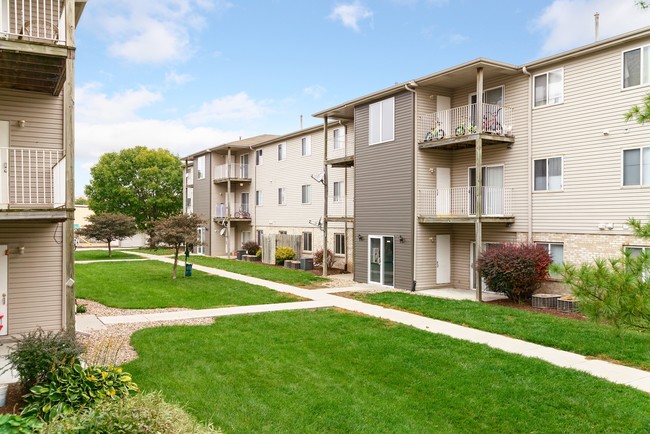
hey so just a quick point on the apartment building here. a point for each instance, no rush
(37, 48)
(558, 164)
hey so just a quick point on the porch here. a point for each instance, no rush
(458, 205)
(238, 212)
(236, 172)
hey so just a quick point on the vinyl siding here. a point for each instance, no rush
(384, 190)
(35, 279)
(202, 191)
(594, 101)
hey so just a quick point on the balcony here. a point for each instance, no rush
(239, 212)
(458, 205)
(340, 209)
(33, 49)
(233, 172)
(457, 128)
(340, 151)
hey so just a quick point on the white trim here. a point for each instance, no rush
(302, 194)
(503, 94)
(381, 121)
(640, 184)
(547, 190)
(305, 145)
(532, 102)
(381, 260)
(641, 71)
(282, 151)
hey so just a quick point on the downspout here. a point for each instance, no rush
(228, 205)
(478, 226)
(530, 155)
(415, 184)
(326, 191)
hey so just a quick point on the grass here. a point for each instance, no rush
(148, 285)
(262, 271)
(160, 252)
(588, 338)
(327, 371)
(101, 255)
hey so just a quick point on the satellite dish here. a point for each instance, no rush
(320, 221)
(319, 177)
(222, 231)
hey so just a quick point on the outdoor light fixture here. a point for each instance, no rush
(21, 123)
(401, 239)
(360, 237)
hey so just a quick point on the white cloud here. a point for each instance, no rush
(173, 78)
(570, 23)
(315, 91)
(350, 14)
(94, 105)
(230, 107)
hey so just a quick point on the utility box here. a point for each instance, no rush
(240, 254)
(307, 263)
(188, 270)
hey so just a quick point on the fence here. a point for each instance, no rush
(271, 242)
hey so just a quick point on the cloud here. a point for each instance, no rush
(230, 107)
(315, 91)
(173, 78)
(92, 104)
(570, 23)
(350, 14)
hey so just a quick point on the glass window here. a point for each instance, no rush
(339, 244)
(259, 235)
(258, 198)
(200, 167)
(636, 166)
(549, 88)
(636, 67)
(306, 194)
(556, 250)
(339, 138)
(259, 157)
(282, 200)
(548, 174)
(338, 191)
(282, 151)
(307, 241)
(306, 146)
(382, 121)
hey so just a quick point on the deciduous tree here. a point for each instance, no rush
(108, 227)
(177, 231)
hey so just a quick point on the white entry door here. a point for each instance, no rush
(443, 191)
(443, 259)
(3, 290)
(443, 103)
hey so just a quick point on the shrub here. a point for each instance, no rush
(318, 258)
(73, 388)
(517, 270)
(251, 247)
(142, 413)
(283, 254)
(13, 423)
(81, 308)
(259, 253)
(38, 352)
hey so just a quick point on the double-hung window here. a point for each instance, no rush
(339, 244)
(636, 67)
(200, 167)
(258, 198)
(548, 174)
(635, 252)
(636, 166)
(259, 157)
(382, 121)
(305, 143)
(282, 151)
(338, 191)
(306, 194)
(556, 250)
(282, 197)
(306, 241)
(339, 138)
(549, 88)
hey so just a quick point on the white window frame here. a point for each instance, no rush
(200, 167)
(307, 241)
(200, 245)
(259, 198)
(282, 151)
(259, 236)
(282, 196)
(548, 245)
(338, 185)
(305, 146)
(548, 100)
(642, 173)
(308, 201)
(642, 67)
(338, 138)
(379, 108)
(259, 157)
(646, 273)
(245, 237)
(339, 244)
(547, 189)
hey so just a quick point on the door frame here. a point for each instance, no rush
(438, 261)
(382, 256)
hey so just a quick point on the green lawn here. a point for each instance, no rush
(148, 285)
(160, 252)
(99, 255)
(583, 337)
(327, 371)
(262, 271)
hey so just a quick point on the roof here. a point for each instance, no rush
(297, 133)
(237, 144)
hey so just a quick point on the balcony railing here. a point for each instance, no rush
(35, 19)
(237, 211)
(340, 207)
(231, 171)
(461, 121)
(461, 202)
(32, 178)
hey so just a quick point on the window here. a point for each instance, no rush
(306, 194)
(339, 138)
(636, 67)
(243, 166)
(549, 88)
(200, 167)
(634, 252)
(282, 151)
(282, 232)
(245, 237)
(306, 241)
(338, 191)
(282, 199)
(201, 238)
(259, 235)
(548, 174)
(244, 203)
(556, 250)
(259, 157)
(636, 166)
(339, 244)
(258, 198)
(306, 146)
(382, 121)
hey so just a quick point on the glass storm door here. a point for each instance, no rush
(381, 260)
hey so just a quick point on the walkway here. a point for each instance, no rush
(632, 377)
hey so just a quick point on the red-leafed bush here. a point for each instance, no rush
(517, 270)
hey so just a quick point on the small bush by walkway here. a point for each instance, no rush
(102, 255)
(583, 337)
(148, 285)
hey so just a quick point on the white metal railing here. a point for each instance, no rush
(232, 170)
(461, 201)
(237, 210)
(460, 121)
(32, 177)
(340, 207)
(39, 19)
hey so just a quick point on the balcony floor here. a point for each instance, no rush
(59, 214)
(466, 141)
(222, 180)
(464, 219)
(32, 67)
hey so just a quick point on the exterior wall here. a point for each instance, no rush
(202, 204)
(384, 190)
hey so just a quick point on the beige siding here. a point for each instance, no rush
(594, 101)
(35, 292)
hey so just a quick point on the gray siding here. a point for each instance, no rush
(384, 190)
(202, 203)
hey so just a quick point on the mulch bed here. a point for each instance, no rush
(529, 307)
(14, 402)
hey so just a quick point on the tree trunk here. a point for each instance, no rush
(175, 263)
(110, 253)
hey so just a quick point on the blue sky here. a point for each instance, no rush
(189, 74)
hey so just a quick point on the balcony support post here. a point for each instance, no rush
(325, 204)
(228, 205)
(478, 229)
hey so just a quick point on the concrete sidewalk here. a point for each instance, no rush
(632, 377)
